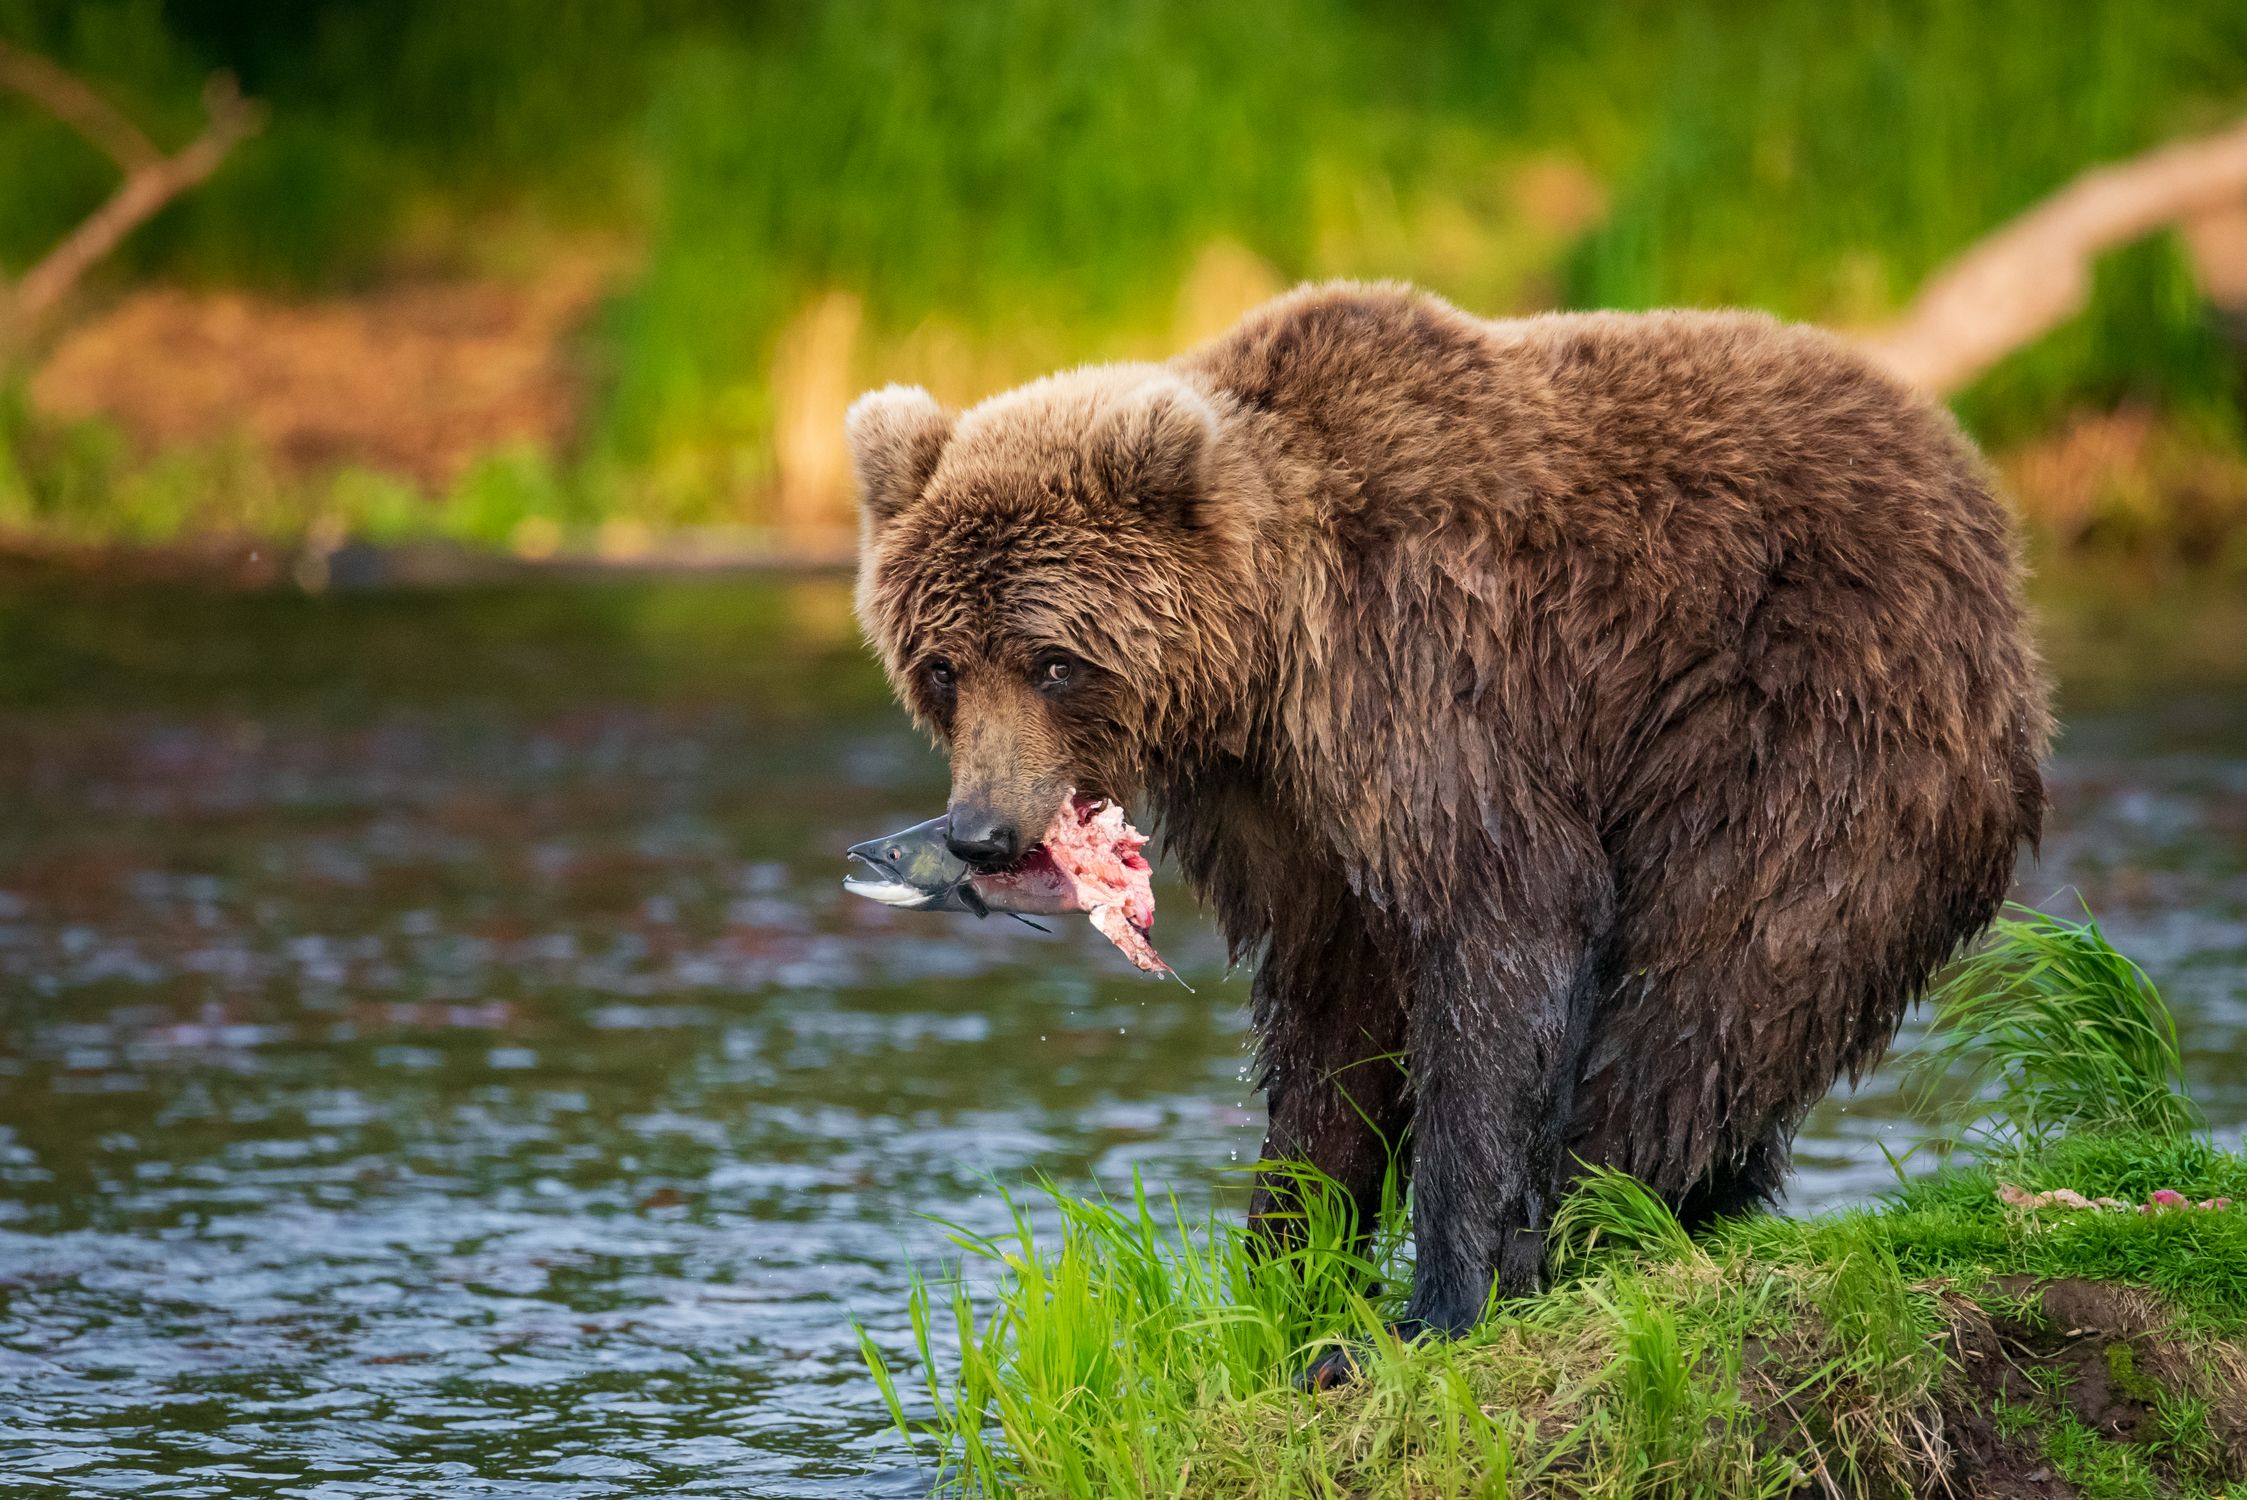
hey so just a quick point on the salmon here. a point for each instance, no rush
(1089, 860)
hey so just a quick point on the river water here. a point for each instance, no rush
(436, 1057)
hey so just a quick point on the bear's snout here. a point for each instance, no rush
(982, 836)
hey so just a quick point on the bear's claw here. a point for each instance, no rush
(1344, 1362)
(1335, 1368)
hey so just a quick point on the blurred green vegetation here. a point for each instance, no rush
(1033, 182)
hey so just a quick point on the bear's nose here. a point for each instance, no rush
(982, 839)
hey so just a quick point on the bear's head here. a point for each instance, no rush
(1059, 582)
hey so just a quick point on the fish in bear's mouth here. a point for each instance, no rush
(1089, 860)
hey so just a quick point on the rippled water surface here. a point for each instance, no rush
(436, 1057)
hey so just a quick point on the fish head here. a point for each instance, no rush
(911, 868)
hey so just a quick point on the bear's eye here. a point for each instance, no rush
(940, 675)
(1055, 672)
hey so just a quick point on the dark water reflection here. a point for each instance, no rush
(436, 1058)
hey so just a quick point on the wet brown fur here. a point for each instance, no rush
(1595, 728)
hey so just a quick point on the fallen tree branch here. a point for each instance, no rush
(2035, 272)
(152, 179)
(72, 102)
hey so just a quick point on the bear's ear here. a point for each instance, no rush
(1152, 451)
(896, 435)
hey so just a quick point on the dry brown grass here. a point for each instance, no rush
(418, 379)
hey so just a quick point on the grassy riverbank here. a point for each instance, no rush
(1961, 1336)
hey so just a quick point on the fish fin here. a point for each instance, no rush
(973, 899)
(1173, 973)
(1025, 921)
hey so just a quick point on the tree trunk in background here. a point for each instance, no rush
(812, 367)
(2034, 273)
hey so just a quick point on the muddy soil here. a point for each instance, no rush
(2101, 1353)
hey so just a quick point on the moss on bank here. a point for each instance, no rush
(1945, 1341)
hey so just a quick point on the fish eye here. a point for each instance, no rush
(896, 853)
(940, 675)
(1055, 671)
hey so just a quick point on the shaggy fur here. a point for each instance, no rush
(1596, 728)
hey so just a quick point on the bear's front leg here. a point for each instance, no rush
(1331, 1021)
(1498, 1018)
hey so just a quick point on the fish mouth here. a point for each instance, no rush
(877, 883)
(887, 892)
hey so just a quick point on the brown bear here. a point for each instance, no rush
(1596, 727)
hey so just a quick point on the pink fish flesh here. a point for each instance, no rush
(1088, 861)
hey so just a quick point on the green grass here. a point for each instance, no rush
(1017, 185)
(1131, 1347)
(2047, 1030)
(1045, 168)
